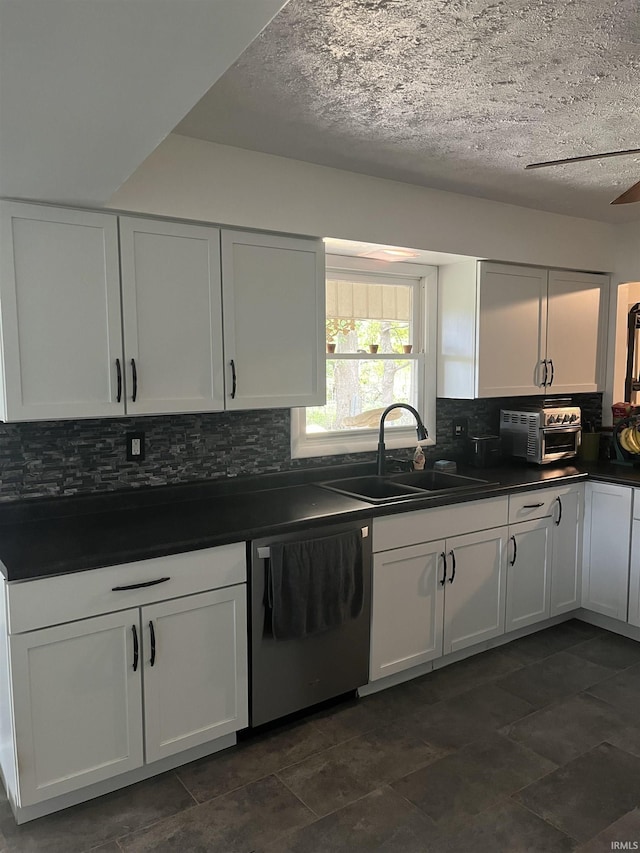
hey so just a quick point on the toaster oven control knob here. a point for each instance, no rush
(565, 419)
(553, 419)
(573, 418)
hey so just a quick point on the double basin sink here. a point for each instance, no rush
(402, 487)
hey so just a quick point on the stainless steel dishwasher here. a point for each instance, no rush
(289, 675)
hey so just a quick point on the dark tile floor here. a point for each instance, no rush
(533, 747)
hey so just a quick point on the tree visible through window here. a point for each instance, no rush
(376, 361)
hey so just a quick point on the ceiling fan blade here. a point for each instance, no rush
(583, 158)
(629, 196)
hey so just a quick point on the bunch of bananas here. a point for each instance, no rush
(629, 439)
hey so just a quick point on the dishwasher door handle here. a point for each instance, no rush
(264, 552)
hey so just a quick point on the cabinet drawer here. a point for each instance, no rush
(65, 598)
(529, 505)
(425, 525)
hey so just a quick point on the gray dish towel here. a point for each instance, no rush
(315, 585)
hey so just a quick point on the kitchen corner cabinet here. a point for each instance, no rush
(439, 596)
(607, 532)
(274, 327)
(552, 323)
(60, 313)
(90, 697)
(96, 326)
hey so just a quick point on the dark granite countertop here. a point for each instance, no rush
(41, 537)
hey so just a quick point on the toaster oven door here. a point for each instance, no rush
(560, 443)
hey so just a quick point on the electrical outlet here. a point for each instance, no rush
(135, 446)
(460, 427)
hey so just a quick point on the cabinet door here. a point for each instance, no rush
(576, 322)
(172, 313)
(528, 573)
(607, 533)
(475, 588)
(61, 330)
(566, 534)
(511, 325)
(195, 670)
(77, 703)
(274, 323)
(634, 575)
(406, 608)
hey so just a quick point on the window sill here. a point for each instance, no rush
(335, 445)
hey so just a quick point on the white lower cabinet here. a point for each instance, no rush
(93, 698)
(407, 610)
(633, 616)
(566, 550)
(529, 573)
(607, 534)
(77, 703)
(195, 670)
(474, 589)
(437, 597)
(442, 596)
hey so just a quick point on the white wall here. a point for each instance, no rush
(194, 179)
(88, 89)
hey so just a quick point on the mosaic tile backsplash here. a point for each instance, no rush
(74, 457)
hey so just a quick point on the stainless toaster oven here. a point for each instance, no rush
(541, 435)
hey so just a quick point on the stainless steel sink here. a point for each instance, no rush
(402, 487)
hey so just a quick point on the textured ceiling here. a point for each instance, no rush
(453, 94)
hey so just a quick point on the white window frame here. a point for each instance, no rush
(304, 445)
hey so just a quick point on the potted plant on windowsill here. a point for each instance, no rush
(338, 326)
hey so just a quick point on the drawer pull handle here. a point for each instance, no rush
(453, 567)
(153, 643)
(135, 648)
(139, 585)
(532, 506)
(444, 575)
(559, 511)
(515, 551)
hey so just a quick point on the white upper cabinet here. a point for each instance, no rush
(60, 297)
(93, 326)
(576, 319)
(510, 329)
(274, 328)
(172, 316)
(507, 330)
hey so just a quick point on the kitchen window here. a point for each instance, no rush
(381, 324)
